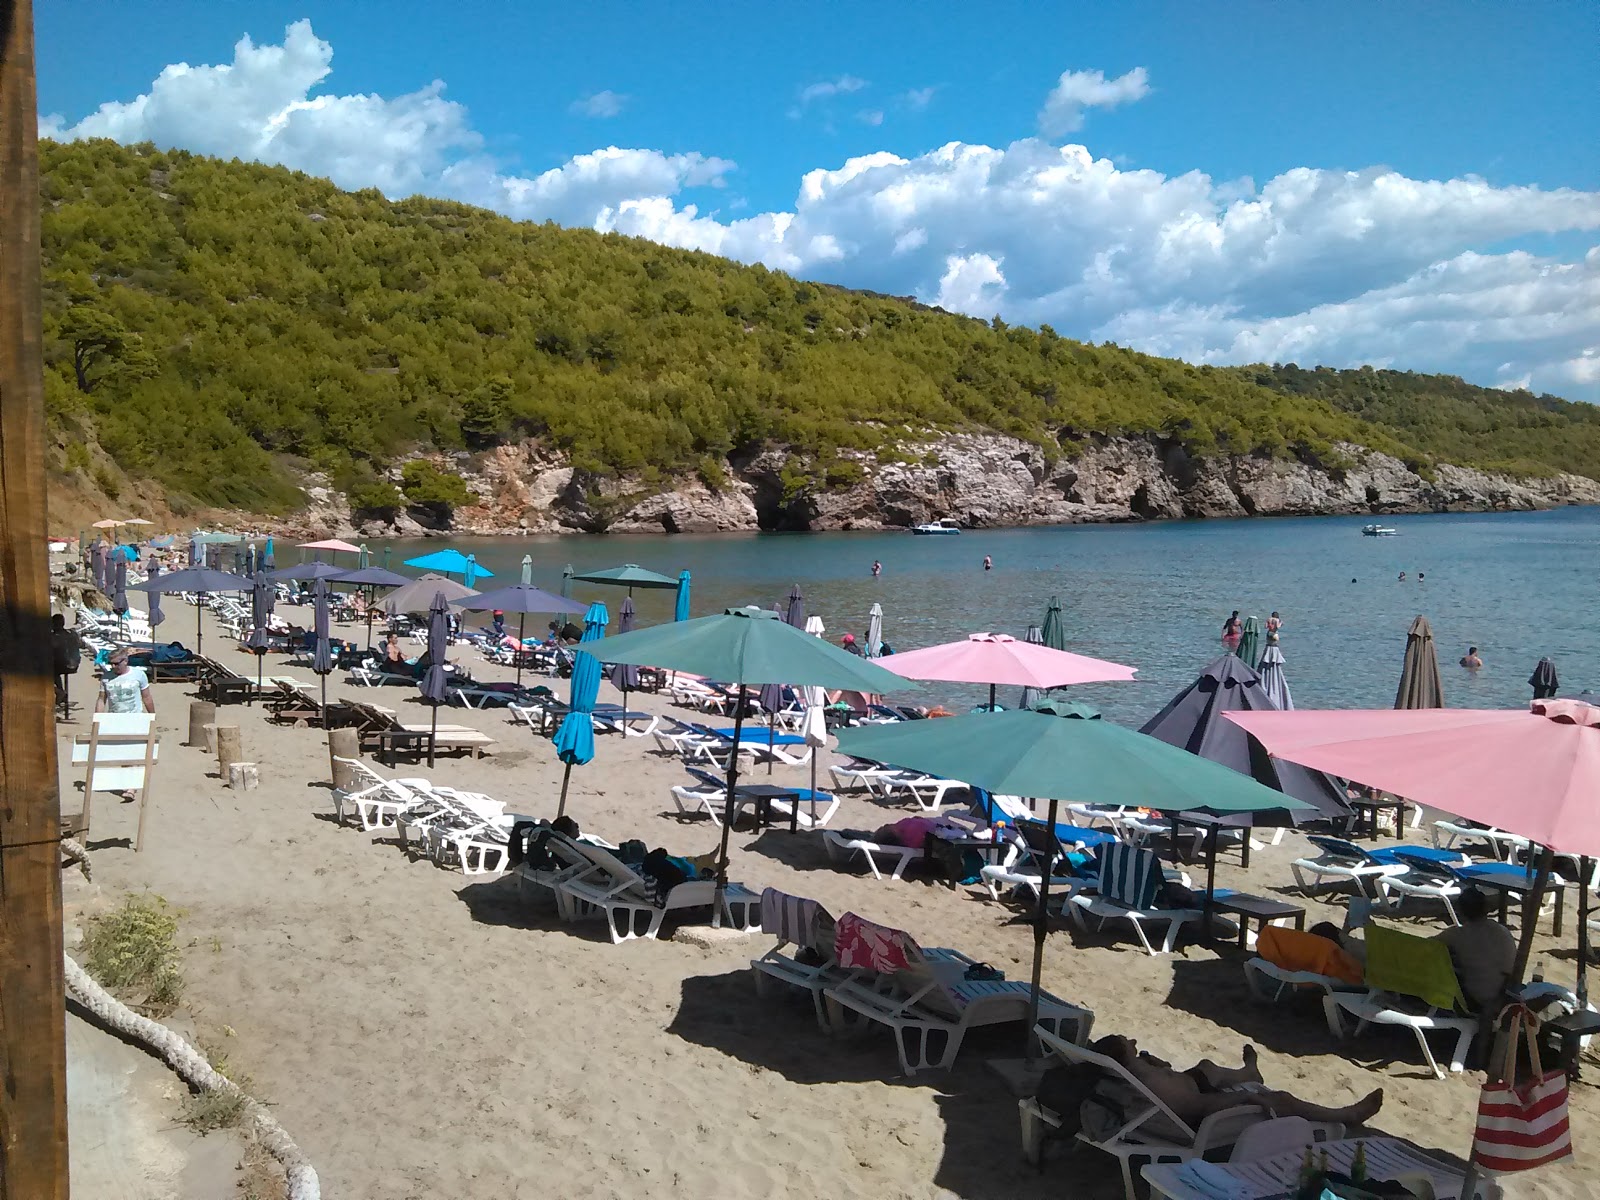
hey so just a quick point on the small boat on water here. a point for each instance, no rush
(944, 525)
(1379, 531)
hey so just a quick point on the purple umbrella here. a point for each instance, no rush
(433, 684)
(321, 646)
(119, 596)
(261, 597)
(625, 676)
(156, 615)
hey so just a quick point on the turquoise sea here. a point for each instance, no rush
(1516, 585)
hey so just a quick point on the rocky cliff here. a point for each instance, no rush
(981, 480)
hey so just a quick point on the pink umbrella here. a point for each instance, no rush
(330, 544)
(1534, 773)
(998, 658)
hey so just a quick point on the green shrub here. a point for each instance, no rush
(132, 951)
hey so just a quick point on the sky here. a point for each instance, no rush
(1410, 186)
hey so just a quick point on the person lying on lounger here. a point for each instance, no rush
(1198, 1092)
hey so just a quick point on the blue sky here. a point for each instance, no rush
(1209, 213)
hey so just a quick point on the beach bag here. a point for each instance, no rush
(1522, 1124)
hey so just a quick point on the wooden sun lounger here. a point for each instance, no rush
(382, 730)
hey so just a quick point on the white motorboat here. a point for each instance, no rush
(943, 525)
(1379, 531)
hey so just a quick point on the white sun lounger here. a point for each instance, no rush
(376, 802)
(1130, 879)
(1341, 864)
(622, 895)
(842, 849)
(1447, 833)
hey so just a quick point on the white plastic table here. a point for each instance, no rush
(1386, 1158)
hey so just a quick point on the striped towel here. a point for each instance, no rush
(1129, 875)
(790, 918)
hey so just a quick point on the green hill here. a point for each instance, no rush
(219, 327)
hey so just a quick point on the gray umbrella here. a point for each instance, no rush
(156, 615)
(195, 579)
(261, 596)
(321, 644)
(417, 596)
(1419, 674)
(119, 588)
(372, 578)
(310, 571)
(796, 614)
(433, 682)
(625, 676)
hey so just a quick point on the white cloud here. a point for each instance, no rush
(918, 99)
(870, 116)
(1077, 90)
(829, 88)
(1339, 267)
(600, 104)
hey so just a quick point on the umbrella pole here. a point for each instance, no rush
(730, 810)
(991, 697)
(1585, 866)
(1041, 918)
(433, 734)
(516, 657)
(199, 630)
(259, 656)
(1211, 875)
(1530, 916)
(624, 701)
(566, 774)
(772, 720)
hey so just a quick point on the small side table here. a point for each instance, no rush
(1259, 909)
(1567, 1031)
(1367, 811)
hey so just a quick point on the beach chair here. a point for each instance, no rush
(1290, 960)
(622, 895)
(809, 809)
(928, 1003)
(1125, 1119)
(1422, 880)
(808, 927)
(1130, 881)
(843, 847)
(377, 802)
(375, 676)
(860, 774)
(1342, 863)
(1447, 833)
(1039, 849)
(569, 864)
(1410, 983)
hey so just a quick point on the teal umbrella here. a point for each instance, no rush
(366, 557)
(749, 646)
(450, 562)
(1067, 708)
(680, 611)
(574, 740)
(1250, 644)
(629, 575)
(1052, 634)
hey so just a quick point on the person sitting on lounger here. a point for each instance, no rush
(1200, 1091)
(393, 657)
(1484, 951)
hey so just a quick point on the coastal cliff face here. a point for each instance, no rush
(980, 480)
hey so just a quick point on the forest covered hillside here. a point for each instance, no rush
(222, 329)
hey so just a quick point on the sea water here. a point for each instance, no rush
(1518, 586)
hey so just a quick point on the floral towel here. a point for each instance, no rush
(860, 943)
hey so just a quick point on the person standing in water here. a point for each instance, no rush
(1232, 630)
(877, 568)
(988, 563)
(1402, 576)
(1470, 659)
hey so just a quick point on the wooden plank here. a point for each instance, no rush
(33, 1046)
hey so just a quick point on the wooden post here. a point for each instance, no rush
(342, 743)
(228, 751)
(33, 1023)
(201, 714)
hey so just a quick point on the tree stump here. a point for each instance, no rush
(201, 714)
(244, 776)
(228, 751)
(343, 743)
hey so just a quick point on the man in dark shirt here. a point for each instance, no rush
(66, 651)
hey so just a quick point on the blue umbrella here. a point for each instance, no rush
(625, 676)
(119, 594)
(322, 644)
(261, 597)
(470, 574)
(433, 684)
(156, 615)
(681, 611)
(449, 562)
(268, 559)
(574, 741)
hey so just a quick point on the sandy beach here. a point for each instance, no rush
(422, 1034)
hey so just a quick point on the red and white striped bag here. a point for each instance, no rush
(1522, 1125)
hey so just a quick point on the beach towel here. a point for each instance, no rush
(1295, 950)
(1129, 875)
(1412, 966)
(791, 918)
(860, 943)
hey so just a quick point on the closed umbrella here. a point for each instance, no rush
(471, 571)
(1044, 757)
(100, 561)
(874, 629)
(1274, 684)
(814, 725)
(625, 676)
(522, 599)
(1419, 673)
(1054, 633)
(322, 644)
(1543, 681)
(566, 581)
(680, 609)
(746, 646)
(202, 580)
(527, 570)
(364, 559)
(269, 560)
(574, 740)
(154, 601)
(771, 695)
(814, 626)
(261, 599)
(795, 614)
(1031, 695)
(1250, 642)
(119, 592)
(433, 684)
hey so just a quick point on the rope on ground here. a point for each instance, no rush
(75, 853)
(193, 1069)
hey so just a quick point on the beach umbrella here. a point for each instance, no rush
(1053, 634)
(434, 684)
(321, 643)
(472, 571)
(105, 523)
(795, 614)
(1419, 673)
(371, 578)
(119, 591)
(449, 562)
(629, 575)
(874, 629)
(268, 559)
(1544, 681)
(998, 658)
(1274, 684)
(261, 599)
(386, 552)
(1192, 721)
(153, 600)
(527, 569)
(365, 558)
(315, 571)
(746, 646)
(574, 740)
(1250, 642)
(522, 599)
(566, 580)
(814, 626)
(1042, 756)
(97, 566)
(417, 596)
(625, 676)
(333, 544)
(680, 608)
(1031, 695)
(200, 580)
(1054, 706)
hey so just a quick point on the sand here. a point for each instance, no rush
(421, 1034)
